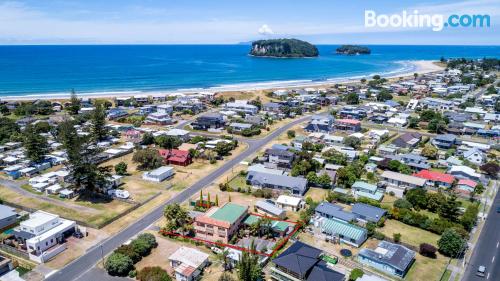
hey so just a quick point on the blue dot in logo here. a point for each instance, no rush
(445, 24)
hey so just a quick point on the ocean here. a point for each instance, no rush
(125, 69)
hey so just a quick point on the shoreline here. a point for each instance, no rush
(407, 69)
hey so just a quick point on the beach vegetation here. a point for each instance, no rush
(283, 48)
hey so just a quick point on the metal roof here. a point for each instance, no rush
(336, 226)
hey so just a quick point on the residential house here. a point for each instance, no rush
(159, 174)
(269, 208)
(364, 189)
(398, 183)
(238, 127)
(220, 223)
(474, 155)
(184, 135)
(188, 263)
(348, 125)
(301, 262)
(8, 216)
(466, 186)
(368, 213)
(209, 121)
(445, 141)
(6, 265)
(320, 123)
(241, 106)
(44, 235)
(290, 203)
(414, 161)
(407, 140)
(436, 179)
(391, 258)
(328, 210)
(295, 185)
(464, 172)
(157, 118)
(348, 233)
(272, 107)
(176, 156)
(165, 109)
(282, 158)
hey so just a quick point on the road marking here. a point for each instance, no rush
(498, 243)
(488, 276)
(493, 259)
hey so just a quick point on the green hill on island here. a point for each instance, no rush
(283, 48)
(353, 50)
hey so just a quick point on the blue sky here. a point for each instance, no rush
(231, 21)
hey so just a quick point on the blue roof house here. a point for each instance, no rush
(391, 258)
(367, 212)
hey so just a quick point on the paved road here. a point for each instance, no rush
(79, 268)
(487, 250)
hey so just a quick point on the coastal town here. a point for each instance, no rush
(383, 178)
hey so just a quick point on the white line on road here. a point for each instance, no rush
(498, 243)
(493, 259)
(488, 277)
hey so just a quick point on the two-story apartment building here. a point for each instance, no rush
(220, 223)
(208, 121)
(241, 106)
(348, 125)
(280, 157)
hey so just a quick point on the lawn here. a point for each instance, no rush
(409, 234)
(427, 269)
(317, 194)
(238, 183)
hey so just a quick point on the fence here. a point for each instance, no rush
(13, 251)
(82, 223)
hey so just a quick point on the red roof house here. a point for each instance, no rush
(433, 178)
(176, 156)
(466, 186)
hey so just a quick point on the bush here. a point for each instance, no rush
(355, 274)
(378, 235)
(141, 247)
(451, 244)
(118, 264)
(427, 250)
(154, 273)
(129, 251)
(148, 238)
(121, 168)
(396, 237)
(402, 204)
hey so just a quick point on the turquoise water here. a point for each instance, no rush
(34, 70)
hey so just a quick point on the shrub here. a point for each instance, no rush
(378, 235)
(149, 238)
(355, 274)
(141, 247)
(154, 273)
(396, 237)
(427, 250)
(402, 204)
(118, 264)
(451, 244)
(129, 251)
(121, 168)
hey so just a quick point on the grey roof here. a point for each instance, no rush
(305, 261)
(299, 258)
(446, 137)
(279, 152)
(321, 272)
(270, 208)
(272, 105)
(397, 256)
(335, 211)
(6, 212)
(370, 213)
(294, 183)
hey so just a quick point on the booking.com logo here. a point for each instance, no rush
(415, 20)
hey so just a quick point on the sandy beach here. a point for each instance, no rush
(407, 70)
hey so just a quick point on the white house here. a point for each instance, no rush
(188, 263)
(475, 156)
(44, 234)
(159, 175)
(290, 203)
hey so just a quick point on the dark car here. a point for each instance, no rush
(498, 209)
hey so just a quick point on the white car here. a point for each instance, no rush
(122, 194)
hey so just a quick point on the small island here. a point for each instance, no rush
(353, 50)
(283, 48)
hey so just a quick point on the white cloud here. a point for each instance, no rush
(265, 30)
